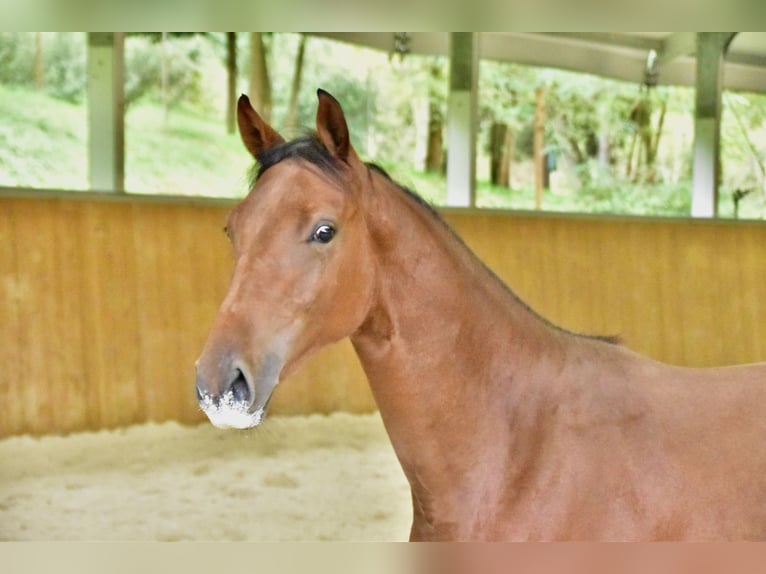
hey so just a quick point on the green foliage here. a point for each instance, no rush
(189, 61)
(182, 153)
(65, 66)
(589, 118)
(17, 58)
(42, 140)
(507, 94)
(325, 66)
(405, 88)
(742, 131)
(63, 58)
(580, 109)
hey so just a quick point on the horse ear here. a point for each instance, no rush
(331, 126)
(257, 135)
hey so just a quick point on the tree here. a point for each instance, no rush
(231, 68)
(507, 104)
(589, 122)
(260, 81)
(436, 103)
(39, 64)
(743, 157)
(648, 134)
(292, 110)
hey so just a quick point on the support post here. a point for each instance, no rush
(461, 119)
(711, 47)
(106, 111)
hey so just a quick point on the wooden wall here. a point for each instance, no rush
(105, 304)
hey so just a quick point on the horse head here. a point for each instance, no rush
(302, 274)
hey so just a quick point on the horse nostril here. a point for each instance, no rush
(239, 389)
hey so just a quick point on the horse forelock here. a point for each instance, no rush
(307, 148)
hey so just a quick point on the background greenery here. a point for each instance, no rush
(177, 142)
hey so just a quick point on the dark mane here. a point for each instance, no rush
(307, 148)
(414, 195)
(310, 149)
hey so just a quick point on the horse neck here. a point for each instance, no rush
(446, 347)
(433, 294)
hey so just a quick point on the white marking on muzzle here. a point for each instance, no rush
(228, 413)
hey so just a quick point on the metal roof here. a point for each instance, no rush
(618, 55)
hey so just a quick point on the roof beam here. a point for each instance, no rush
(548, 50)
(611, 55)
(677, 45)
(615, 40)
(753, 60)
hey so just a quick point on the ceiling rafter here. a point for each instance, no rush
(617, 55)
(677, 45)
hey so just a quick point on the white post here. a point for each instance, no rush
(711, 47)
(106, 106)
(462, 119)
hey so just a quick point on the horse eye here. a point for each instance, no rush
(323, 234)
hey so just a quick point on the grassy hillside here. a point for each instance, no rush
(182, 153)
(43, 141)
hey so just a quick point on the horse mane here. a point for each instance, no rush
(307, 147)
(310, 149)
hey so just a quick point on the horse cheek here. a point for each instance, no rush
(357, 287)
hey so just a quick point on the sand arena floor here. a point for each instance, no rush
(292, 479)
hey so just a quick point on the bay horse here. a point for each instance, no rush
(506, 426)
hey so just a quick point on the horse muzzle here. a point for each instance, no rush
(241, 400)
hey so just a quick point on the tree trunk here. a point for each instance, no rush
(292, 111)
(164, 83)
(231, 66)
(260, 83)
(435, 146)
(539, 156)
(647, 174)
(631, 153)
(653, 145)
(500, 154)
(39, 64)
(641, 116)
(604, 150)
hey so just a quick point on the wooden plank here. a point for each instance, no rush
(158, 359)
(36, 343)
(69, 388)
(12, 289)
